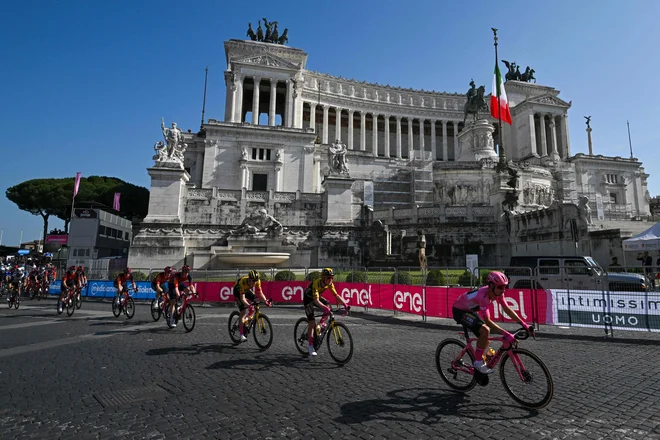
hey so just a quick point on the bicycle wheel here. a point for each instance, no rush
(263, 332)
(57, 307)
(17, 302)
(453, 367)
(70, 306)
(189, 318)
(340, 343)
(129, 308)
(232, 326)
(528, 382)
(155, 313)
(300, 335)
(78, 300)
(116, 308)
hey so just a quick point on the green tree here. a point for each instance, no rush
(46, 197)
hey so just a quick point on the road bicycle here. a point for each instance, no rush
(122, 303)
(69, 302)
(13, 298)
(257, 322)
(157, 310)
(339, 339)
(78, 296)
(524, 376)
(183, 310)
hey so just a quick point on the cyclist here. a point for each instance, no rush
(312, 297)
(180, 281)
(157, 285)
(81, 276)
(121, 283)
(69, 280)
(243, 292)
(471, 307)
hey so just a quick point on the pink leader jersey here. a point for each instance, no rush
(476, 300)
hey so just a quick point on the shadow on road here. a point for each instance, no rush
(192, 350)
(425, 406)
(264, 361)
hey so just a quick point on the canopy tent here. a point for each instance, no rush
(648, 240)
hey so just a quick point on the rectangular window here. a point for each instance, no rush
(548, 267)
(254, 154)
(126, 236)
(261, 154)
(87, 252)
(576, 267)
(259, 182)
(613, 198)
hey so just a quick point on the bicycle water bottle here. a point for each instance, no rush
(488, 355)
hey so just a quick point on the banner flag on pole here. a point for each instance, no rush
(115, 203)
(76, 185)
(499, 104)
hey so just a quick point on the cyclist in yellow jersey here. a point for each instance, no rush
(243, 292)
(312, 297)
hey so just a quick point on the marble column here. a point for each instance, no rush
(455, 139)
(288, 122)
(444, 141)
(544, 142)
(199, 164)
(255, 101)
(553, 135)
(238, 100)
(398, 137)
(312, 117)
(326, 108)
(363, 136)
(411, 142)
(338, 123)
(278, 178)
(244, 176)
(387, 135)
(565, 138)
(351, 114)
(532, 135)
(421, 137)
(273, 98)
(434, 151)
(374, 134)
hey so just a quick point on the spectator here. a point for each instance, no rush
(647, 261)
(615, 266)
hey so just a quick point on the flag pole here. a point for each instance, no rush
(629, 140)
(499, 111)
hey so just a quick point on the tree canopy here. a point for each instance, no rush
(48, 197)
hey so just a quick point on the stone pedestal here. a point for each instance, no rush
(168, 185)
(476, 142)
(340, 206)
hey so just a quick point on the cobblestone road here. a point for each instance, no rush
(96, 376)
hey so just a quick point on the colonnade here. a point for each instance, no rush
(280, 99)
(549, 135)
(418, 130)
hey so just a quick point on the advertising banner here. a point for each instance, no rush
(59, 239)
(620, 310)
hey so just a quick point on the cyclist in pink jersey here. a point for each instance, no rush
(471, 307)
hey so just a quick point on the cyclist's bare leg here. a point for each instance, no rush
(482, 342)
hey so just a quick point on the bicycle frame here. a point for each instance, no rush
(495, 359)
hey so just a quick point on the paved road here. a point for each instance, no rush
(96, 376)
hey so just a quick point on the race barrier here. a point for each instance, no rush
(577, 308)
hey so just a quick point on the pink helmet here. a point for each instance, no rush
(498, 279)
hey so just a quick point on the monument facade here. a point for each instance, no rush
(306, 147)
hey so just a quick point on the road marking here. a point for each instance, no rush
(28, 324)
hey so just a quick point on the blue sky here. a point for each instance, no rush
(85, 83)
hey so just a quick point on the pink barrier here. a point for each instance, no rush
(418, 300)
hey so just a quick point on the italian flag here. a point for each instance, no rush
(501, 107)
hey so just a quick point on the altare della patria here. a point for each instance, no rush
(310, 169)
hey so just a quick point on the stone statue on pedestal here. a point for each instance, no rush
(584, 210)
(337, 158)
(173, 148)
(259, 221)
(421, 246)
(476, 101)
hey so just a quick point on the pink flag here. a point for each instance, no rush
(77, 184)
(115, 203)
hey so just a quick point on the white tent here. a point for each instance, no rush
(648, 240)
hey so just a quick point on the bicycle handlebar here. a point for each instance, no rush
(521, 334)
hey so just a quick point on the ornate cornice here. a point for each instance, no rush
(236, 49)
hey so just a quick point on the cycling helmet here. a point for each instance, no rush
(128, 270)
(72, 268)
(328, 272)
(185, 268)
(81, 268)
(253, 275)
(168, 269)
(498, 279)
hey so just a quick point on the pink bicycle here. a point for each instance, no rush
(524, 376)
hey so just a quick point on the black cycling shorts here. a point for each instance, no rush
(249, 295)
(309, 307)
(471, 320)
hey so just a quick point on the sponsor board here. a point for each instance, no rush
(106, 289)
(621, 310)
